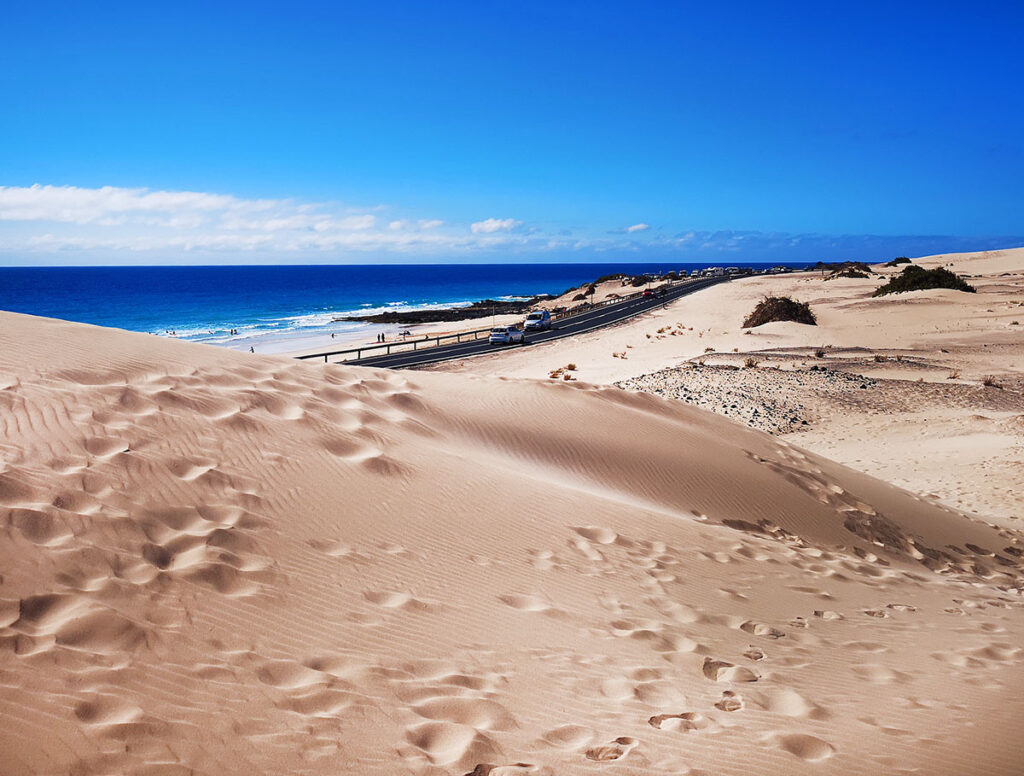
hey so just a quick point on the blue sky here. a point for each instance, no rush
(220, 132)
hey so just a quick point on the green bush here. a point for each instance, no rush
(915, 278)
(897, 261)
(780, 308)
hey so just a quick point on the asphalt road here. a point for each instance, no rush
(567, 327)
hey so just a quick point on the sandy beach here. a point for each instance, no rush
(217, 562)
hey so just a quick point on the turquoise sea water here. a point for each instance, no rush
(277, 305)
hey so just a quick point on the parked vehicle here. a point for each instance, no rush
(505, 335)
(648, 292)
(538, 320)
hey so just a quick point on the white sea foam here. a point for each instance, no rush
(289, 327)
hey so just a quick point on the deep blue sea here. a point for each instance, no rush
(277, 308)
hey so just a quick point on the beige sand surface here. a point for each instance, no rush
(961, 443)
(220, 563)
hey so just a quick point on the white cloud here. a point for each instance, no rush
(47, 224)
(495, 225)
(72, 204)
(52, 219)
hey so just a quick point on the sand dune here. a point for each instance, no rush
(928, 421)
(217, 563)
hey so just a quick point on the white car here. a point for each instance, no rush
(505, 335)
(538, 320)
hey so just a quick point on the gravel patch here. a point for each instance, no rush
(772, 400)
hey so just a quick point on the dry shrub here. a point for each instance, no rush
(819, 352)
(780, 308)
(571, 367)
(879, 357)
(990, 382)
(709, 350)
(954, 375)
(750, 363)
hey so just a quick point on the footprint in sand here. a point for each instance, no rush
(901, 607)
(447, 743)
(686, 722)
(878, 674)
(289, 675)
(721, 671)
(730, 701)
(597, 534)
(790, 703)
(525, 603)
(828, 615)
(103, 710)
(613, 751)
(477, 713)
(806, 747)
(762, 629)
(569, 737)
(516, 769)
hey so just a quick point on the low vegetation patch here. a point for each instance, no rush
(562, 373)
(915, 278)
(897, 261)
(780, 308)
(847, 273)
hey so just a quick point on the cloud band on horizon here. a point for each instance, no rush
(55, 224)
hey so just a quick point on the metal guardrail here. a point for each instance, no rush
(398, 345)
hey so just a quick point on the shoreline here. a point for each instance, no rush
(353, 328)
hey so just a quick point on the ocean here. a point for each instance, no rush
(279, 308)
